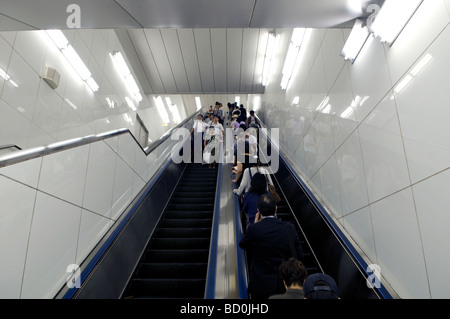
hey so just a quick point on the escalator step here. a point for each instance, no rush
(179, 243)
(190, 207)
(186, 223)
(196, 200)
(200, 214)
(172, 270)
(182, 232)
(169, 288)
(176, 255)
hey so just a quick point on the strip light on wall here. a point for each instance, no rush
(198, 102)
(355, 42)
(271, 49)
(161, 110)
(291, 56)
(392, 19)
(73, 58)
(122, 66)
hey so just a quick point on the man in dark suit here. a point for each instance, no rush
(267, 243)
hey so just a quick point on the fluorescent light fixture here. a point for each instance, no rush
(70, 103)
(323, 104)
(256, 102)
(198, 102)
(423, 62)
(122, 67)
(161, 109)
(355, 41)
(420, 65)
(130, 103)
(72, 58)
(296, 100)
(348, 111)
(174, 110)
(291, 56)
(392, 19)
(6, 77)
(237, 99)
(272, 44)
(110, 102)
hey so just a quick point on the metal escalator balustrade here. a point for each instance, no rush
(175, 261)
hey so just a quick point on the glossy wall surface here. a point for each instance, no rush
(371, 140)
(54, 209)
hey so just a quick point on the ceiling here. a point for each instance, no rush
(188, 46)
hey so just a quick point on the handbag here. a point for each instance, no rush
(274, 193)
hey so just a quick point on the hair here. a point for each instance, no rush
(266, 205)
(258, 184)
(292, 271)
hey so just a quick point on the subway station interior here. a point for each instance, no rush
(100, 197)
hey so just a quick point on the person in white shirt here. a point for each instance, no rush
(244, 187)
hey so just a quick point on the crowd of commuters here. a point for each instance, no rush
(273, 249)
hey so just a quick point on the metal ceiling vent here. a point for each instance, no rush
(51, 77)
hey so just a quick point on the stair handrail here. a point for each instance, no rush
(35, 152)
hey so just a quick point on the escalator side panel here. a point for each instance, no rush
(113, 271)
(331, 253)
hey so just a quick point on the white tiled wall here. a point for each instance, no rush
(54, 209)
(383, 171)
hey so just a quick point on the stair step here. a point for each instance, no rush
(186, 223)
(175, 214)
(172, 270)
(179, 243)
(169, 288)
(182, 232)
(176, 255)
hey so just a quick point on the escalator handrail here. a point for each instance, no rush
(28, 154)
(240, 253)
(356, 256)
(210, 286)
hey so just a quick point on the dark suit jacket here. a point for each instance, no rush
(290, 294)
(268, 245)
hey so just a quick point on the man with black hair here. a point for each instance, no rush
(268, 242)
(293, 273)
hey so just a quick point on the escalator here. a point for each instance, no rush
(284, 212)
(175, 261)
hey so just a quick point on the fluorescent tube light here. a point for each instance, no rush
(355, 41)
(392, 19)
(296, 100)
(130, 103)
(122, 67)
(291, 56)
(72, 58)
(161, 109)
(198, 103)
(272, 44)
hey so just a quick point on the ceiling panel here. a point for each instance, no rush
(234, 59)
(173, 50)
(219, 58)
(295, 13)
(190, 59)
(156, 45)
(203, 44)
(142, 49)
(249, 49)
(190, 13)
(47, 14)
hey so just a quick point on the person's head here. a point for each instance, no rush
(320, 286)
(266, 205)
(211, 129)
(252, 112)
(258, 184)
(216, 118)
(200, 117)
(293, 272)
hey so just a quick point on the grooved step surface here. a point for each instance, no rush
(175, 261)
